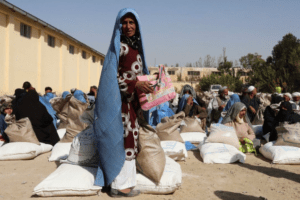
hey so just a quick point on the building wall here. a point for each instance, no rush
(32, 59)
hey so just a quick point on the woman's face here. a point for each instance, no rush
(8, 111)
(242, 113)
(128, 26)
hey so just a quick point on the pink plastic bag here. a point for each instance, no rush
(163, 89)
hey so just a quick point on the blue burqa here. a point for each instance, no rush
(108, 127)
(79, 95)
(49, 96)
(65, 93)
(233, 99)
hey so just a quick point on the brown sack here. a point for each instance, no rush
(259, 116)
(74, 125)
(61, 106)
(288, 135)
(21, 131)
(191, 125)
(151, 159)
(167, 130)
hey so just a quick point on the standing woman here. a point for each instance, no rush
(117, 107)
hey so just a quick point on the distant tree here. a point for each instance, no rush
(226, 67)
(209, 61)
(177, 65)
(199, 63)
(166, 65)
(188, 65)
(286, 61)
(261, 74)
(250, 61)
(233, 83)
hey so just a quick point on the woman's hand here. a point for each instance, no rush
(190, 101)
(144, 86)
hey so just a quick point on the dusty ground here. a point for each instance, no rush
(255, 179)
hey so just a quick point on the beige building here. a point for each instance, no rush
(194, 74)
(186, 73)
(33, 50)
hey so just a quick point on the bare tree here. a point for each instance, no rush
(209, 61)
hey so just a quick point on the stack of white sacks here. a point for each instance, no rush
(222, 146)
(286, 150)
(76, 174)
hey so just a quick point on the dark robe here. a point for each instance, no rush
(41, 120)
(282, 116)
(254, 102)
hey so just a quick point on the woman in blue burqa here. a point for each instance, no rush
(117, 107)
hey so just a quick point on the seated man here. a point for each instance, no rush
(288, 97)
(47, 90)
(218, 104)
(252, 103)
(192, 109)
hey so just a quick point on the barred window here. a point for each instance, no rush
(51, 41)
(101, 62)
(94, 59)
(25, 30)
(84, 54)
(71, 49)
(171, 72)
(195, 73)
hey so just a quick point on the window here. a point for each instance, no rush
(51, 41)
(84, 54)
(94, 59)
(71, 49)
(171, 72)
(25, 30)
(101, 62)
(195, 73)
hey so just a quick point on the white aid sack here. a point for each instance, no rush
(69, 180)
(23, 150)
(281, 154)
(193, 137)
(220, 153)
(60, 151)
(175, 150)
(220, 133)
(61, 132)
(83, 149)
(169, 182)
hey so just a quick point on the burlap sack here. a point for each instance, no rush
(74, 124)
(151, 159)
(259, 116)
(191, 124)
(167, 130)
(21, 131)
(220, 133)
(61, 106)
(288, 135)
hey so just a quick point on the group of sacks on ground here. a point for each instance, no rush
(158, 173)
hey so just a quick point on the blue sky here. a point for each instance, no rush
(177, 31)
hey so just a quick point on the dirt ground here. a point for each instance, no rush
(257, 179)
